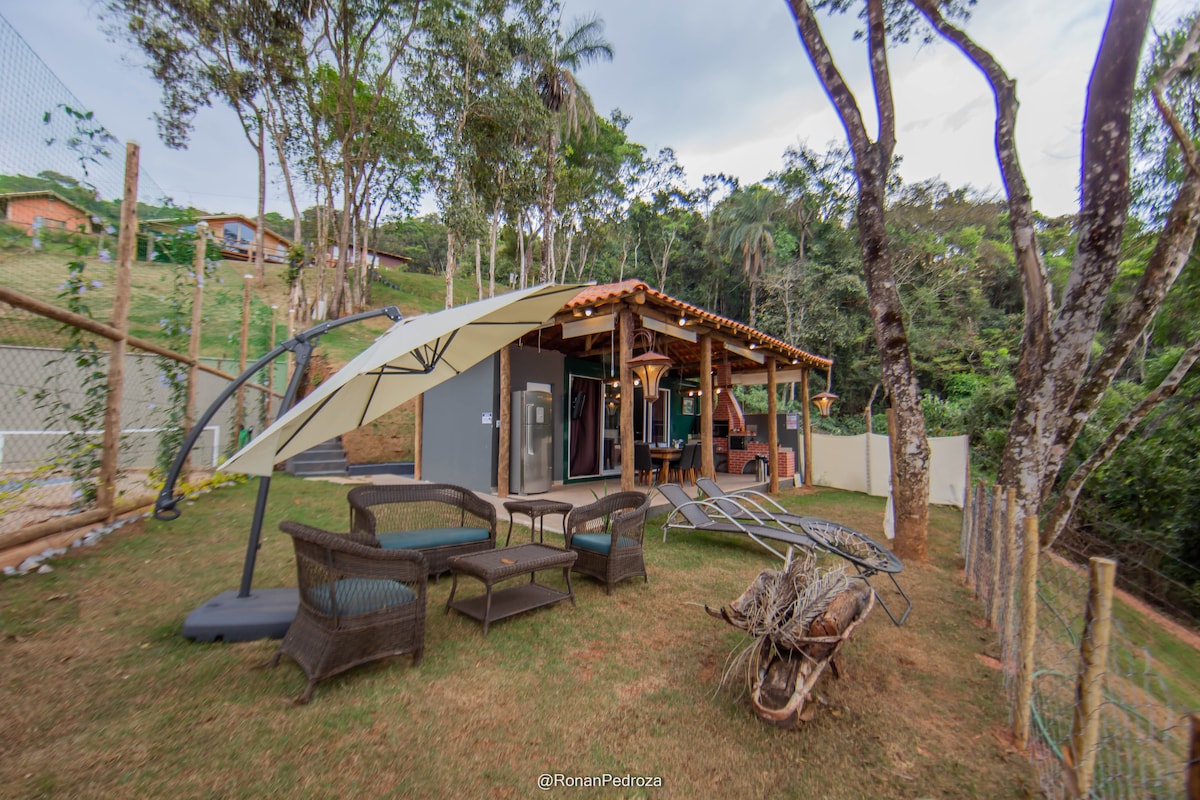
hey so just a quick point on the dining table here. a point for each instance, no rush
(666, 455)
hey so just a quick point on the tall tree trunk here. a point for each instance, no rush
(872, 161)
(260, 261)
(478, 270)
(550, 191)
(493, 233)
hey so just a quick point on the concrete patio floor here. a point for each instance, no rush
(580, 494)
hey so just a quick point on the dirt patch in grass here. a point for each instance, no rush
(103, 698)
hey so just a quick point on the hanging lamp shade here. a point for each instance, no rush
(823, 402)
(649, 367)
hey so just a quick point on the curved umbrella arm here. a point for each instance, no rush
(165, 508)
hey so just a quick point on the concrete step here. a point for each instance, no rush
(326, 458)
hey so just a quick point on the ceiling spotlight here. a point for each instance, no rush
(587, 312)
(682, 320)
(754, 345)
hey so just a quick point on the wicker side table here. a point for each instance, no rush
(536, 510)
(494, 566)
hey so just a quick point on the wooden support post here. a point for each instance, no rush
(1010, 594)
(772, 428)
(504, 454)
(625, 353)
(708, 466)
(1093, 664)
(806, 413)
(891, 423)
(106, 490)
(996, 553)
(418, 434)
(1028, 633)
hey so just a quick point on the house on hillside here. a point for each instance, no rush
(233, 233)
(376, 259)
(605, 397)
(43, 210)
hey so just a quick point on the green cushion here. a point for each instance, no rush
(430, 537)
(359, 595)
(600, 542)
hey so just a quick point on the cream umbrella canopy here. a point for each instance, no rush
(412, 357)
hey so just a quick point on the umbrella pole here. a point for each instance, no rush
(303, 353)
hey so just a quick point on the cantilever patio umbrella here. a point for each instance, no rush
(413, 356)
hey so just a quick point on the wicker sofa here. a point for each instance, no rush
(438, 519)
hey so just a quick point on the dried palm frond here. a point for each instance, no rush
(776, 611)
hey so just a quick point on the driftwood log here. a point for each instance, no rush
(787, 667)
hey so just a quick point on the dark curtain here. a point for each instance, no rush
(585, 427)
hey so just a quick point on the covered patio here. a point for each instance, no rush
(623, 366)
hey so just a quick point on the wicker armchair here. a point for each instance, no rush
(439, 519)
(607, 535)
(357, 604)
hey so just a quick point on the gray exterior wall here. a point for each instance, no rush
(456, 446)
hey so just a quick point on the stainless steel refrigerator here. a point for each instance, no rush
(532, 446)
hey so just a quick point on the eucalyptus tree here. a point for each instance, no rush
(238, 51)
(555, 64)
(1062, 374)
(354, 113)
(745, 230)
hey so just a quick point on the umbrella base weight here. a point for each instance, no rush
(264, 614)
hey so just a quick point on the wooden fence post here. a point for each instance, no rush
(1027, 634)
(189, 414)
(240, 414)
(1193, 768)
(1093, 664)
(1010, 597)
(106, 493)
(995, 552)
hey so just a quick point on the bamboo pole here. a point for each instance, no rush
(505, 449)
(996, 553)
(708, 466)
(35, 306)
(126, 241)
(1028, 633)
(1093, 664)
(772, 427)
(806, 414)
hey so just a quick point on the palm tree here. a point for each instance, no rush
(570, 108)
(745, 228)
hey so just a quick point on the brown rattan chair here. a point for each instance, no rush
(439, 519)
(607, 536)
(358, 603)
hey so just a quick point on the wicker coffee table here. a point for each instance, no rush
(495, 566)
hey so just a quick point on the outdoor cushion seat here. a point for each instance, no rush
(601, 542)
(358, 603)
(606, 537)
(422, 538)
(359, 595)
(440, 520)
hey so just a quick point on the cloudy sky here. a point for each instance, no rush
(725, 83)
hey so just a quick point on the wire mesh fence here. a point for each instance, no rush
(1138, 746)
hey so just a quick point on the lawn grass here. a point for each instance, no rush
(103, 698)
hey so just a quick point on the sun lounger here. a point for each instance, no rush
(704, 515)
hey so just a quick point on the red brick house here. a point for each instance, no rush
(43, 209)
